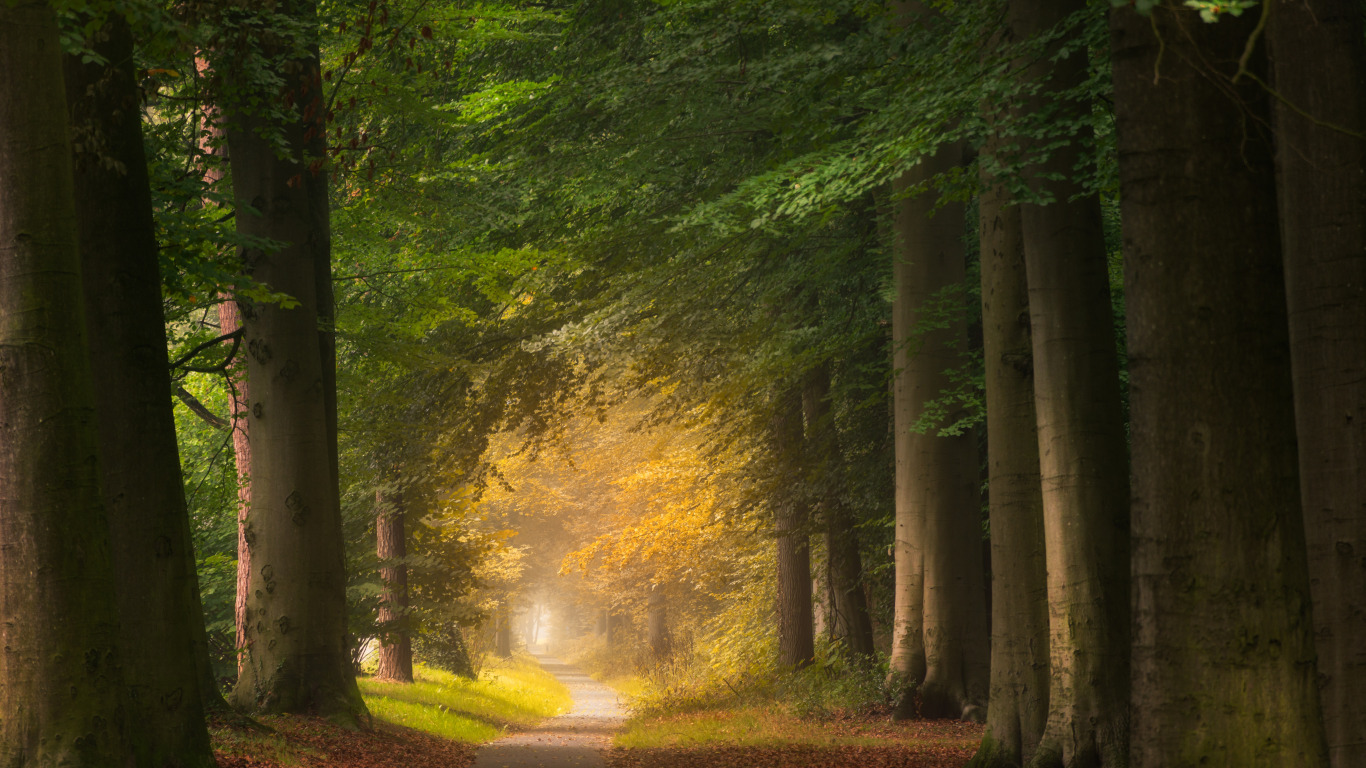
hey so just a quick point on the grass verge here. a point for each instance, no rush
(510, 694)
(771, 726)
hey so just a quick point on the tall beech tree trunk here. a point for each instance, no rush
(847, 609)
(1223, 653)
(938, 530)
(1019, 603)
(796, 627)
(297, 655)
(165, 649)
(1083, 457)
(396, 646)
(62, 694)
(1323, 231)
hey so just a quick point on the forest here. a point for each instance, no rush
(860, 366)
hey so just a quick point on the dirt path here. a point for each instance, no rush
(573, 740)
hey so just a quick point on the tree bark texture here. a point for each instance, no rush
(938, 528)
(1083, 459)
(847, 610)
(1019, 604)
(796, 628)
(1318, 50)
(396, 646)
(297, 655)
(164, 648)
(1223, 652)
(62, 695)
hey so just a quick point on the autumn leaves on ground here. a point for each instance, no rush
(752, 734)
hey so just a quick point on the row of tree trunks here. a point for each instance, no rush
(1321, 159)
(62, 687)
(1223, 651)
(165, 652)
(846, 616)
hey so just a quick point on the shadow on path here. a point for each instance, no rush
(573, 740)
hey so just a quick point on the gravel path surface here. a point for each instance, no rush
(573, 740)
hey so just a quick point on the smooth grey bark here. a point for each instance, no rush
(1318, 50)
(164, 647)
(1223, 649)
(845, 608)
(297, 653)
(1019, 604)
(62, 695)
(396, 646)
(940, 608)
(1083, 457)
(796, 627)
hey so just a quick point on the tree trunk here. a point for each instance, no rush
(938, 530)
(848, 608)
(796, 629)
(297, 655)
(1323, 231)
(396, 646)
(62, 689)
(658, 625)
(1223, 654)
(1082, 452)
(164, 647)
(239, 401)
(503, 632)
(1019, 603)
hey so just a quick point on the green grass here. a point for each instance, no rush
(509, 693)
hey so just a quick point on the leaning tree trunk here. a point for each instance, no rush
(62, 695)
(164, 647)
(847, 607)
(1321, 153)
(396, 645)
(1223, 652)
(796, 626)
(296, 655)
(1019, 602)
(938, 529)
(1083, 459)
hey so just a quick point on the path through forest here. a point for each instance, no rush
(573, 740)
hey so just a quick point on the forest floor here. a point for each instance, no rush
(595, 733)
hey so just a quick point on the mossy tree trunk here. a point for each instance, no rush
(62, 691)
(1322, 164)
(1223, 649)
(164, 644)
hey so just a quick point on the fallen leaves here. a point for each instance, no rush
(317, 743)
